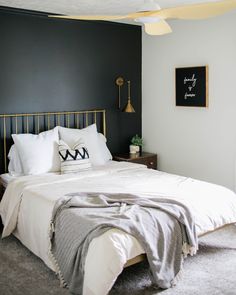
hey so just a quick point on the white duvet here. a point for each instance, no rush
(28, 202)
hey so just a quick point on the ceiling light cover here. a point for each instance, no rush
(149, 5)
(147, 20)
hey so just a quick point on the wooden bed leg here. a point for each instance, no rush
(135, 260)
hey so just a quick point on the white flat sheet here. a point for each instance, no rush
(211, 205)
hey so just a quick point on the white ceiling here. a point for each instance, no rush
(78, 7)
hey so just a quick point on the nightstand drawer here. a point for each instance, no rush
(148, 159)
(151, 162)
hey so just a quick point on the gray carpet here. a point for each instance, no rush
(211, 272)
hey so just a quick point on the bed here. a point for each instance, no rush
(28, 203)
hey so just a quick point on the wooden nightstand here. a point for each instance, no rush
(148, 159)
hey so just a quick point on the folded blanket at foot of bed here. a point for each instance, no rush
(163, 227)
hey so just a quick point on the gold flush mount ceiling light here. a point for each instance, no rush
(155, 19)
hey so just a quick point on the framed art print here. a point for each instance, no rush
(191, 86)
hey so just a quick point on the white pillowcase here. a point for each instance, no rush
(14, 167)
(90, 137)
(38, 153)
(103, 147)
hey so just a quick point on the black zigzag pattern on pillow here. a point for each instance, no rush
(82, 152)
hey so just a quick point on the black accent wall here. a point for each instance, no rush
(65, 65)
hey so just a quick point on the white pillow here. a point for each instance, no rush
(90, 138)
(14, 167)
(70, 135)
(73, 160)
(38, 153)
(103, 147)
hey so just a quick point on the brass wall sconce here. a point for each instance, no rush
(128, 108)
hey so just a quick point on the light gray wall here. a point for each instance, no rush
(195, 142)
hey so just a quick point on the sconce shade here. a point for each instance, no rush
(128, 108)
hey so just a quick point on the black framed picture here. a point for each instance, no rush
(192, 86)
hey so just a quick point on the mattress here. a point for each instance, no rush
(6, 178)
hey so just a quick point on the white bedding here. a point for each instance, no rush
(6, 179)
(213, 206)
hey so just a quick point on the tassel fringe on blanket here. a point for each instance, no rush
(63, 283)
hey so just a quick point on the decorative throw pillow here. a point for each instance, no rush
(73, 160)
(89, 136)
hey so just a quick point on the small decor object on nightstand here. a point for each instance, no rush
(136, 144)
